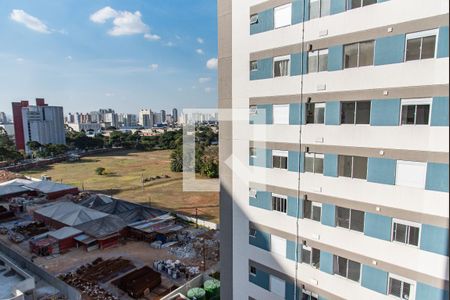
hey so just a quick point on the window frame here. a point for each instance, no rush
(313, 205)
(253, 63)
(315, 157)
(282, 205)
(311, 250)
(280, 108)
(282, 245)
(350, 219)
(409, 224)
(321, 15)
(355, 112)
(416, 102)
(251, 271)
(282, 286)
(317, 53)
(353, 167)
(316, 105)
(251, 192)
(348, 5)
(403, 280)
(289, 20)
(358, 59)
(252, 232)
(422, 35)
(279, 59)
(336, 263)
(281, 154)
(310, 294)
(424, 167)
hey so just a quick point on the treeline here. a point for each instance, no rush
(8, 151)
(206, 153)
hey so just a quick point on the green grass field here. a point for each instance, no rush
(125, 170)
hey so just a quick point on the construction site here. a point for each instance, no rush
(105, 248)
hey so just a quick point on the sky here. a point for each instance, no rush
(126, 55)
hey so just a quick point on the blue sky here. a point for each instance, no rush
(127, 55)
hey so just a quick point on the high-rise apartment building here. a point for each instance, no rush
(339, 188)
(163, 116)
(146, 118)
(175, 115)
(3, 118)
(40, 123)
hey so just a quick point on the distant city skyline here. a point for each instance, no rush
(83, 55)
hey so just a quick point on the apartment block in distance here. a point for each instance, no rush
(40, 123)
(339, 189)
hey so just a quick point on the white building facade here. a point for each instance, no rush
(338, 189)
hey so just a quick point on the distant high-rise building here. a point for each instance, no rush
(175, 115)
(163, 116)
(3, 118)
(96, 117)
(158, 119)
(146, 118)
(40, 123)
(110, 120)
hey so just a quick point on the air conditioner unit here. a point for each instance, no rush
(254, 19)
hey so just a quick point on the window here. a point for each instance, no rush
(254, 19)
(353, 166)
(355, 112)
(416, 111)
(311, 256)
(318, 61)
(359, 54)
(401, 288)
(352, 4)
(252, 232)
(252, 151)
(278, 245)
(283, 15)
(406, 232)
(279, 203)
(314, 163)
(253, 271)
(253, 66)
(350, 219)
(253, 110)
(315, 113)
(281, 114)
(279, 159)
(411, 174)
(252, 193)
(281, 66)
(421, 45)
(312, 210)
(319, 8)
(277, 286)
(347, 268)
(307, 295)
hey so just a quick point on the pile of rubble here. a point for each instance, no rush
(87, 278)
(175, 269)
(90, 289)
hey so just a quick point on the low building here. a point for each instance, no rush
(15, 284)
(55, 242)
(105, 231)
(64, 214)
(51, 190)
(86, 127)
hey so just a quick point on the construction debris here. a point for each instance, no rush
(175, 269)
(86, 278)
(139, 283)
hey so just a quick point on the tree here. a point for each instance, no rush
(176, 164)
(210, 162)
(8, 150)
(100, 171)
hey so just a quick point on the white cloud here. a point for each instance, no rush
(152, 37)
(125, 23)
(20, 60)
(169, 44)
(154, 67)
(104, 14)
(208, 90)
(110, 94)
(204, 79)
(29, 21)
(69, 57)
(200, 51)
(200, 40)
(212, 64)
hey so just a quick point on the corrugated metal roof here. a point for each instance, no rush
(49, 187)
(64, 233)
(70, 214)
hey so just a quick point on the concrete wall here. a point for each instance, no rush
(22, 262)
